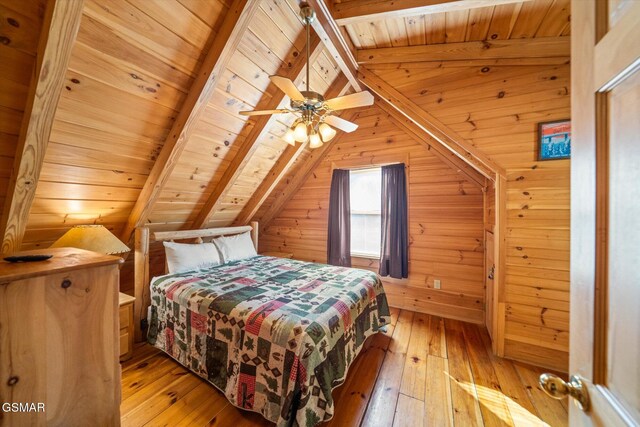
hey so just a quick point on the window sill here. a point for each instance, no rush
(366, 256)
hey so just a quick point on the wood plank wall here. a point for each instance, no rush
(20, 25)
(498, 109)
(445, 215)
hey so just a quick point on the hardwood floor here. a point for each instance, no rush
(425, 371)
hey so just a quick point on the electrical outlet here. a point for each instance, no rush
(436, 284)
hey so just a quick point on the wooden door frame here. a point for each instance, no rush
(489, 320)
(592, 70)
(499, 231)
(500, 259)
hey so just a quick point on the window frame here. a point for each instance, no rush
(366, 255)
(370, 162)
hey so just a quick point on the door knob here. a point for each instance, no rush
(557, 388)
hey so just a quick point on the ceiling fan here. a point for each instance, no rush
(314, 114)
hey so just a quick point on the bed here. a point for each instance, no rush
(274, 335)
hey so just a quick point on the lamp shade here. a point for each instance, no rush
(289, 137)
(94, 238)
(315, 141)
(300, 132)
(326, 132)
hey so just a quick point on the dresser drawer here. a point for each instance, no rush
(126, 326)
(124, 316)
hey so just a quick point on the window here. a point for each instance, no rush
(366, 200)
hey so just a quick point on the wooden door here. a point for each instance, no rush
(489, 267)
(605, 213)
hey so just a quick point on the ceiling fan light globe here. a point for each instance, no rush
(326, 132)
(300, 132)
(315, 141)
(289, 137)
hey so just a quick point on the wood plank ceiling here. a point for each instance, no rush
(131, 68)
(20, 26)
(528, 19)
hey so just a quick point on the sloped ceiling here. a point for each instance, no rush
(131, 68)
(20, 24)
(529, 19)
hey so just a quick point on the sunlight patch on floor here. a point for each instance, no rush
(495, 402)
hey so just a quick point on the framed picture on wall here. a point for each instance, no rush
(554, 140)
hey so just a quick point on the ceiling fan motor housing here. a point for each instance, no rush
(312, 110)
(312, 101)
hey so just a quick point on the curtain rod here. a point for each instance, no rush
(378, 166)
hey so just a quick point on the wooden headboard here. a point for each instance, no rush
(141, 262)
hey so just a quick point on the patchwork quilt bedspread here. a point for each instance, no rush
(274, 335)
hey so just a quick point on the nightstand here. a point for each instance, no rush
(126, 326)
(278, 254)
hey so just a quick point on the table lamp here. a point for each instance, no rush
(94, 238)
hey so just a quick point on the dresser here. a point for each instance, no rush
(59, 345)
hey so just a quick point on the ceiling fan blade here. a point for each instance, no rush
(358, 99)
(263, 112)
(287, 87)
(341, 124)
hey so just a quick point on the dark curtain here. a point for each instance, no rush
(339, 233)
(394, 253)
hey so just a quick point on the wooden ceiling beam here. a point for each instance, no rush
(224, 45)
(271, 100)
(543, 47)
(431, 144)
(337, 46)
(284, 163)
(355, 11)
(301, 175)
(59, 31)
(432, 126)
(509, 62)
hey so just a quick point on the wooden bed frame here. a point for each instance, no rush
(141, 262)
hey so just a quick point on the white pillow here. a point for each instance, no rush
(233, 248)
(185, 257)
